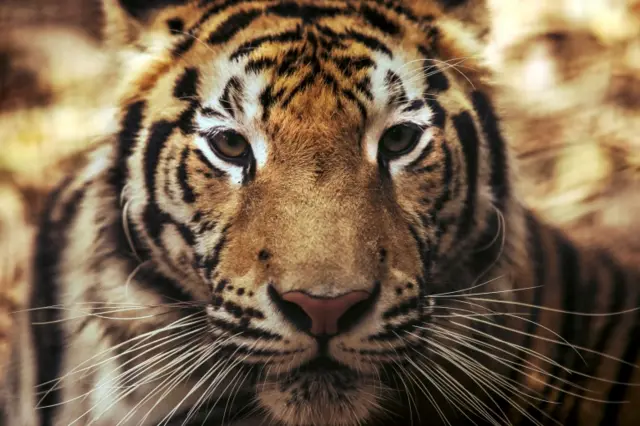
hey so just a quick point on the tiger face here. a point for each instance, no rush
(312, 173)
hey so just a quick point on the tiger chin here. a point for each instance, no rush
(308, 216)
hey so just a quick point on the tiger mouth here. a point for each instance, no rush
(325, 372)
(323, 365)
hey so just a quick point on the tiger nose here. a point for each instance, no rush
(324, 316)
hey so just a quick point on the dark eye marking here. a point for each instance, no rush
(205, 161)
(231, 99)
(395, 86)
(414, 105)
(211, 113)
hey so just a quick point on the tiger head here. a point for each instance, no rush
(314, 173)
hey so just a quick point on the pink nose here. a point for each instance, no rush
(325, 312)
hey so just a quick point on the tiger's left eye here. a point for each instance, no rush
(400, 139)
(229, 145)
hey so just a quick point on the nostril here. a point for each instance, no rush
(291, 311)
(355, 313)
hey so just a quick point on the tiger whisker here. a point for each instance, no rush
(574, 347)
(482, 381)
(122, 396)
(487, 378)
(168, 386)
(171, 381)
(509, 364)
(561, 311)
(216, 367)
(141, 338)
(512, 315)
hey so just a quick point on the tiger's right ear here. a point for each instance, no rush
(127, 21)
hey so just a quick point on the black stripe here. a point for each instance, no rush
(568, 263)
(398, 8)
(347, 65)
(170, 290)
(188, 196)
(249, 171)
(267, 101)
(353, 98)
(364, 86)
(423, 251)
(468, 137)
(284, 37)
(186, 120)
(129, 130)
(428, 149)
(536, 253)
(435, 79)
(48, 339)
(186, 86)
(369, 41)
(158, 137)
(211, 262)
(491, 130)
(404, 308)
(439, 114)
(245, 331)
(232, 26)
(447, 178)
(396, 87)
(379, 21)
(154, 218)
(210, 112)
(203, 159)
(618, 391)
(298, 88)
(414, 105)
(229, 94)
(585, 302)
(259, 64)
(306, 12)
(594, 360)
(450, 4)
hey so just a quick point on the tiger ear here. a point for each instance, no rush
(127, 21)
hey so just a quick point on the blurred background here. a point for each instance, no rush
(567, 74)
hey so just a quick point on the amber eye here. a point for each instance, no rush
(400, 139)
(229, 145)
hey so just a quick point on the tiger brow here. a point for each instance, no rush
(212, 112)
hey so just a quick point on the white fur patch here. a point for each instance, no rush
(245, 123)
(384, 116)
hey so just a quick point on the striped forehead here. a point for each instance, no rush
(354, 49)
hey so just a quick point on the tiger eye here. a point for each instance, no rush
(229, 145)
(400, 139)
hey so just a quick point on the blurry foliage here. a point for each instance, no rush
(568, 73)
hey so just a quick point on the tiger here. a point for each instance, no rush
(309, 214)
(568, 78)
